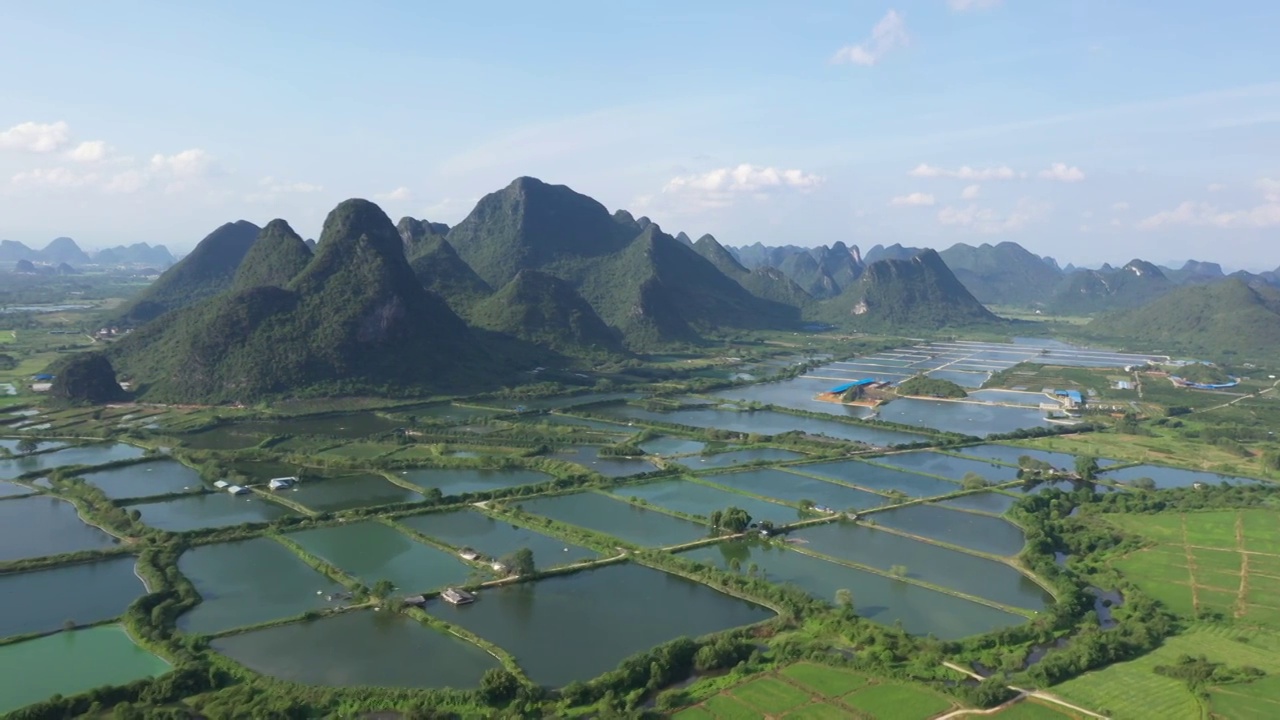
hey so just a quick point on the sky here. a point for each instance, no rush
(1087, 130)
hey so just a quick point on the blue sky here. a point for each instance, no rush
(1091, 131)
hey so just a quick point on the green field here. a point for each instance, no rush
(1133, 689)
(826, 681)
(770, 695)
(1220, 561)
(1033, 710)
(1259, 699)
(889, 701)
(1162, 449)
(8, 336)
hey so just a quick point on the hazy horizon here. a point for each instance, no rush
(1084, 131)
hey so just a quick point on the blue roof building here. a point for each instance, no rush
(847, 386)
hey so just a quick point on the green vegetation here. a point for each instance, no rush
(545, 310)
(1203, 374)
(275, 258)
(1002, 274)
(925, 386)
(1085, 292)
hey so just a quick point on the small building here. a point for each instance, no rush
(453, 596)
(42, 377)
(281, 483)
(221, 484)
(416, 600)
(237, 489)
(468, 554)
(498, 567)
(41, 387)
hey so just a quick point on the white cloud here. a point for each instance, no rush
(1216, 187)
(989, 222)
(1063, 173)
(1002, 172)
(971, 192)
(720, 187)
(1209, 215)
(188, 164)
(964, 5)
(1120, 206)
(129, 181)
(54, 177)
(916, 199)
(270, 185)
(887, 35)
(35, 137)
(449, 210)
(90, 151)
(400, 194)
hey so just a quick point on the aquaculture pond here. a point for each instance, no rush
(555, 402)
(8, 489)
(797, 394)
(622, 520)
(577, 626)
(145, 479)
(762, 422)
(738, 457)
(793, 488)
(37, 526)
(249, 582)
(966, 418)
(885, 600)
(69, 663)
(961, 376)
(495, 538)
(996, 503)
(445, 413)
(81, 455)
(569, 420)
(968, 530)
(347, 492)
(589, 457)
(363, 647)
(1010, 397)
(12, 444)
(952, 569)
(670, 445)
(1010, 454)
(1168, 477)
(208, 510)
(880, 479)
(692, 498)
(460, 481)
(84, 594)
(948, 466)
(372, 551)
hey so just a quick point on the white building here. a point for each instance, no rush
(281, 483)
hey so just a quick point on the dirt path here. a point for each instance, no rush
(1038, 694)
(1191, 564)
(1241, 603)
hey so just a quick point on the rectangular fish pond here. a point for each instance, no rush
(69, 663)
(84, 594)
(737, 457)
(691, 498)
(794, 488)
(209, 510)
(875, 597)
(762, 422)
(462, 481)
(982, 533)
(948, 466)
(38, 526)
(495, 538)
(577, 626)
(372, 551)
(362, 647)
(80, 455)
(161, 477)
(347, 492)
(880, 479)
(619, 519)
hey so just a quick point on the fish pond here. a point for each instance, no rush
(996, 503)
(762, 422)
(83, 594)
(38, 526)
(495, 538)
(948, 466)
(8, 489)
(1168, 477)
(12, 444)
(372, 551)
(693, 498)
(884, 600)
(1011, 454)
(363, 647)
(738, 457)
(577, 626)
(620, 519)
(670, 445)
(966, 418)
(967, 530)
(81, 455)
(461, 481)
(69, 663)
(347, 492)
(208, 510)
(161, 477)
(881, 479)
(249, 582)
(797, 394)
(944, 567)
(793, 488)
(589, 457)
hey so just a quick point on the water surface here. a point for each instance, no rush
(966, 418)
(1011, 454)
(610, 516)
(82, 455)
(577, 626)
(589, 457)
(1170, 477)
(881, 479)
(495, 538)
(249, 582)
(145, 479)
(209, 510)
(738, 457)
(372, 551)
(948, 466)
(695, 499)
(968, 530)
(363, 647)
(763, 423)
(996, 503)
(37, 526)
(83, 594)
(69, 663)
(793, 488)
(670, 445)
(349, 492)
(460, 481)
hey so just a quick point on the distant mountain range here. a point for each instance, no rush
(540, 274)
(65, 250)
